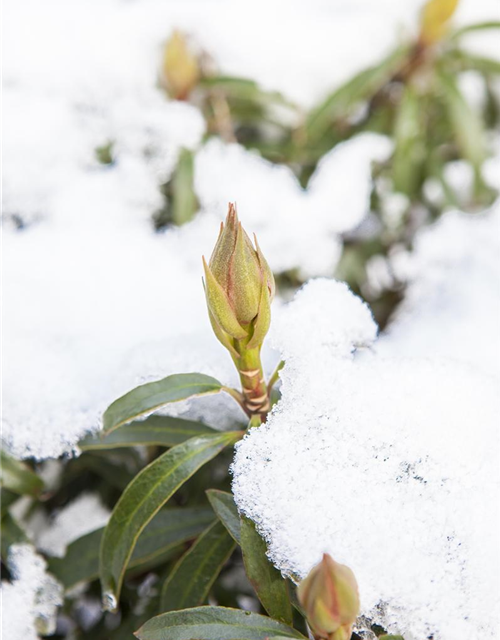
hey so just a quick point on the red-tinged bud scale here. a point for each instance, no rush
(330, 599)
(239, 287)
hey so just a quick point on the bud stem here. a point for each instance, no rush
(254, 387)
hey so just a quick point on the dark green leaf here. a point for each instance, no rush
(7, 499)
(270, 586)
(168, 529)
(144, 496)
(18, 477)
(192, 577)
(213, 623)
(224, 506)
(11, 534)
(153, 395)
(163, 431)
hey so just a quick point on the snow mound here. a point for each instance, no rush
(301, 228)
(452, 304)
(29, 603)
(389, 464)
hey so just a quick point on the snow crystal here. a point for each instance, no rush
(389, 464)
(452, 304)
(30, 601)
(85, 514)
(300, 228)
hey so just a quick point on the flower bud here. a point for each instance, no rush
(181, 70)
(329, 597)
(239, 286)
(434, 19)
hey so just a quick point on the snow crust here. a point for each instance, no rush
(390, 464)
(30, 601)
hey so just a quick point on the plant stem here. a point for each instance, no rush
(253, 384)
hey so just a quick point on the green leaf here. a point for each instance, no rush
(224, 506)
(358, 89)
(410, 151)
(163, 535)
(163, 431)
(270, 586)
(11, 534)
(466, 123)
(386, 637)
(18, 477)
(7, 499)
(464, 61)
(143, 497)
(184, 203)
(213, 623)
(154, 395)
(478, 26)
(191, 579)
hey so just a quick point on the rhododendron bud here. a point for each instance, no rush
(434, 20)
(239, 286)
(181, 70)
(330, 599)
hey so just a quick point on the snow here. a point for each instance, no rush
(30, 601)
(373, 460)
(83, 515)
(452, 304)
(299, 228)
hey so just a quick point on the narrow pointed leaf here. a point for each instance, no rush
(142, 499)
(270, 586)
(163, 431)
(154, 395)
(224, 506)
(191, 579)
(213, 623)
(170, 528)
(18, 477)
(465, 121)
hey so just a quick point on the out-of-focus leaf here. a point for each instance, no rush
(465, 61)
(242, 89)
(144, 496)
(153, 395)
(386, 637)
(270, 586)
(466, 123)
(163, 431)
(7, 499)
(409, 151)
(478, 26)
(358, 89)
(12, 533)
(169, 528)
(18, 477)
(214, 623)
(434, 19)
(180, 70)
(190, 581)
(183, 201)
(224, 506)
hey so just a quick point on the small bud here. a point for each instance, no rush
(181, 70)
(239, 286)
(434, 20)
(329, 597)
